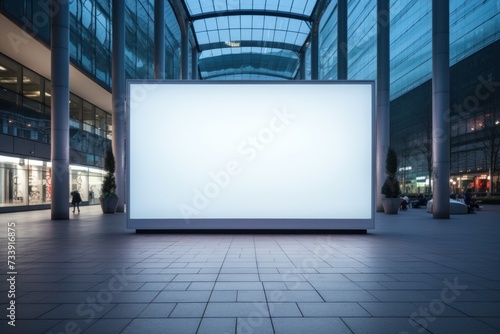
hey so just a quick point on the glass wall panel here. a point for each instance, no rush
(10, 73)
(328, 43)
(88, 117)
(32, 85)
(48, 93)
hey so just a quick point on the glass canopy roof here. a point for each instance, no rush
(251, 38)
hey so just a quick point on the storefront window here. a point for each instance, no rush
(14, 178)
(29, 182)
(79, 181)
(35, 184)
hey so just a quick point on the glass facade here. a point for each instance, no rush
(474, 36)
(474, 50)
(90, 35)
(139, 41)
(473, 25)
(25, 113)
(361, 41)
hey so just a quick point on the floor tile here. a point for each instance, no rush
(188, 310)
(217, 325)
(309, 325)
(108, 326)
(159, 326)
(254, 324)
(236, 310)
(332, 310)
(182, 296)
(157, 310)
(223, 296)
(346, 296)
(293, 296)
(251, 296)
(383, 325)
(125, 311)
(284, 310)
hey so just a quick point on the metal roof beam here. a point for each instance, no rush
(260, 44)
(180, 15)
(274, 75)
(252, 12)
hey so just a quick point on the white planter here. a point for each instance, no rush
(391, 205)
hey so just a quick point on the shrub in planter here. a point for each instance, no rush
(108, 198)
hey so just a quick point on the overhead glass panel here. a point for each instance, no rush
(246, 27)
(235, 32)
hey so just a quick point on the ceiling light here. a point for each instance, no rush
(8, 80)
(2, 68)
(232, 44)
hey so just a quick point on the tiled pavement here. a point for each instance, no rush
(411, 274)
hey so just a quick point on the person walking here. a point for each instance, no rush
(76, 200)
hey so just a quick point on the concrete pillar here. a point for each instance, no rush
(383, 96)
(59, 109)
(440, 105)
(159, 39)
(184, 53)
(194, 64)
(342, 39)
(118, 95)
(314, 53)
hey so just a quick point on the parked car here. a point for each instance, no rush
(420, 201)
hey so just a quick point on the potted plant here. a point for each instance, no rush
(108, 198)
(390, 188)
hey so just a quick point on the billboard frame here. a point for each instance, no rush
(157, 224)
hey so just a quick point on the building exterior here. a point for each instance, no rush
(474, 117)
(264, 48)
(25, 96)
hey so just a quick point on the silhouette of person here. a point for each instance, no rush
(76, 200)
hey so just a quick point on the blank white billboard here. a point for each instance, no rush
(240, 155)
